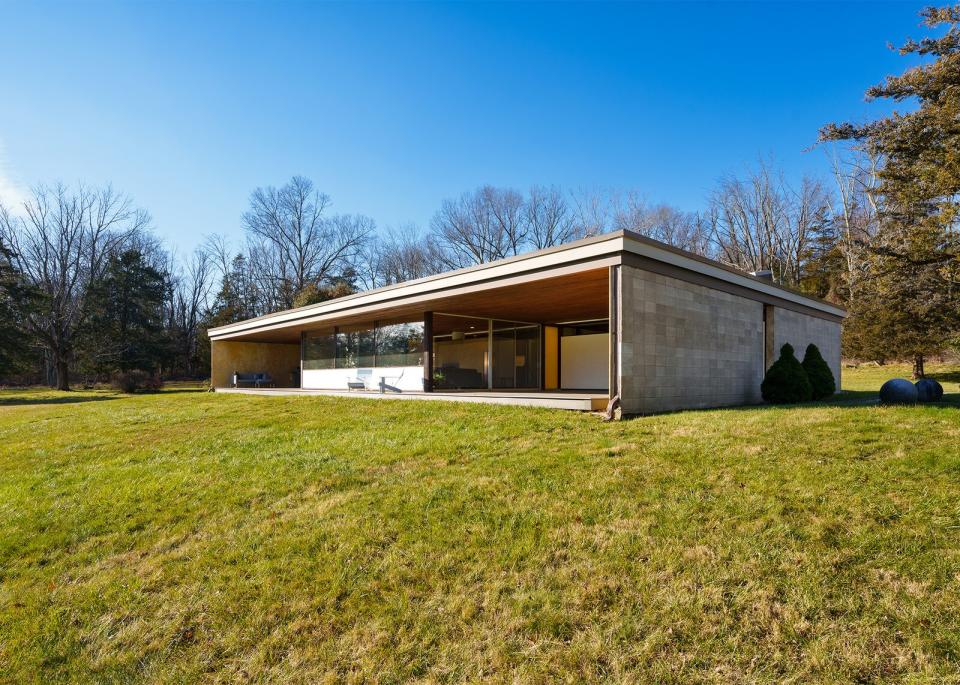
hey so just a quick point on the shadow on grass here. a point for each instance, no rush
(945, 376)
(847, 399)
(66, 398)
(69, 397)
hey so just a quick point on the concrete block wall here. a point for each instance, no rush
(277, 359)
(802, 329)
(686, 346)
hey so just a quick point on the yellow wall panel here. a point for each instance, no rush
(551, 361)
(277, 359)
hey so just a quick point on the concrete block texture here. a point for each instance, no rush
(802, 329)
(227, 356)
(686, 346)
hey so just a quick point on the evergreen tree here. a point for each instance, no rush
(233, 301)
(125, 328)
(913, 274)
(819, 373)
(312, 294)
(15, 298)
(786, 381)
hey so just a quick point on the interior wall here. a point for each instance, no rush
(584, 361)
(277, 359)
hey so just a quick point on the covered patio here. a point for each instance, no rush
(577, 401)
(534, 335)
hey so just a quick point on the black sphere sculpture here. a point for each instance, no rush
(928, 390)
(898, 391)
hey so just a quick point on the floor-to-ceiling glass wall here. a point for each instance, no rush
(475, 353)
(516, 355)
(461, 352)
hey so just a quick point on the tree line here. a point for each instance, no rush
(88, 290)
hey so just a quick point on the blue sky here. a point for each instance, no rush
(392, 108)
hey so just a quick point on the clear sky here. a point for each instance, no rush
(187, 107)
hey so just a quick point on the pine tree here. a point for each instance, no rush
(786, 381)
(125, 328)
(15, 299)
(910, 303)
(819, 373)
(234, 300)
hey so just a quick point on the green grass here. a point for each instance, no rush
(188, 536)
(869, 377)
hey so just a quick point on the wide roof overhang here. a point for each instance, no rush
(566, 283)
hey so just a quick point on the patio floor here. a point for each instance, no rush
(573, 400)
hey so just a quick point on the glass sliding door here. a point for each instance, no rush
(471, 353)
(527, 357)
(461, 349)
(516, 355)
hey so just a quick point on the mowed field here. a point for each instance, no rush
(196, 537)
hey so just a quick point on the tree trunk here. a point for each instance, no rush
(63, 375)
(918, 366)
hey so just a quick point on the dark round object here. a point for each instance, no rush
(928, 390)
(898, 391)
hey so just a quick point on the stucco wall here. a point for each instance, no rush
(227, 356)
(685, 346)
(800, 330)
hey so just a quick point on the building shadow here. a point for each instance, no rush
(66, 398)
(847, 399)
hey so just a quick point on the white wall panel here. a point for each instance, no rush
(584, 361)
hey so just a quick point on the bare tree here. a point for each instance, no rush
(685, 230)
(480, 227)
(218, 251)
(764, 223)
(858, 212)
(62, 241)
(550, 219)
(292, 243)
(191, 287)
(399, 255)
(591, 210)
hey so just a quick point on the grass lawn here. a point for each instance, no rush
(189, 536)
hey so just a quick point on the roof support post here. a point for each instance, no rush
(428, 351)
(615, 366)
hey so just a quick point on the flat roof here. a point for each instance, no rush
(589, 253)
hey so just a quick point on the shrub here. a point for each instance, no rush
(786, 382)
(820, 375)
(136, 380)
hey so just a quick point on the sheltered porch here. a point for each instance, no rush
(540, 341)
(577, 401)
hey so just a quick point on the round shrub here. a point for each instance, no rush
(820, 375)
(898, 391)
(928, 390)
(785, 381)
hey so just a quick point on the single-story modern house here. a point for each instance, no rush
(617, 318)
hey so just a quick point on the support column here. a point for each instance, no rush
(616, 370)
(428, 351)
(489, 354)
